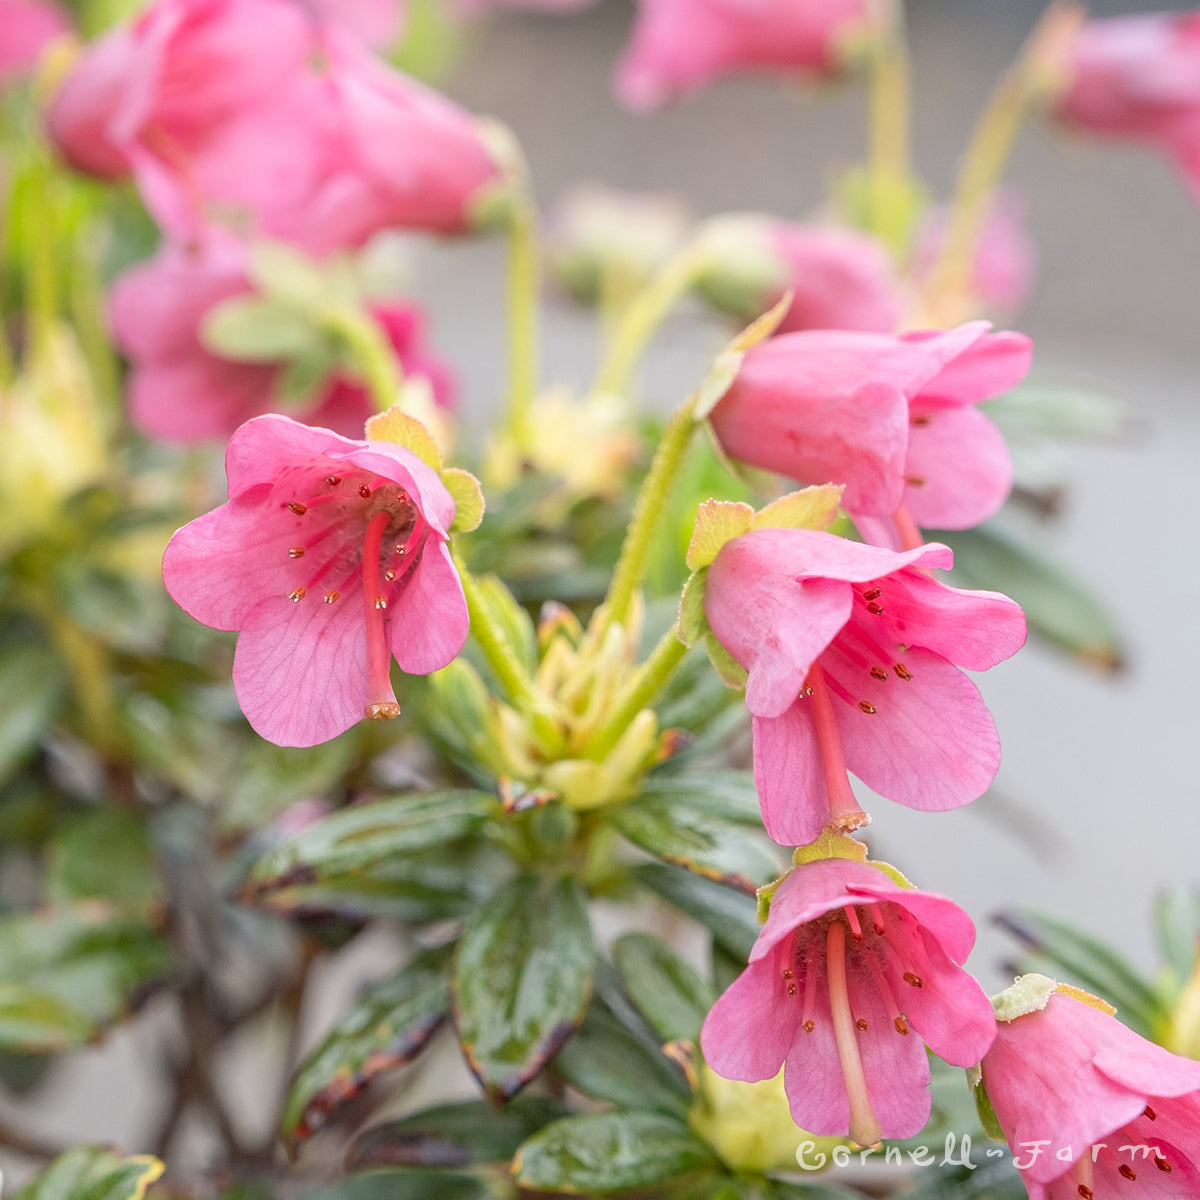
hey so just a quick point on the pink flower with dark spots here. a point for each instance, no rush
(179, 391)
(26, 28)
(893, 418)
(680, 46)
(1090, 1108)
(330, 560)
(853, 654)
(850, 978)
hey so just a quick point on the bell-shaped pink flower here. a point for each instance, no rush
(893, 418)
(853, 654)
(26, 27)
(329, 559)
(1091, 1109)
(680, 46)
(848, 967)
(1138, 77)
(180, 392)
(377, 23)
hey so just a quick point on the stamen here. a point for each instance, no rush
(1162, 1164)
(915, 480)
(381, 602)
(810, 990)
(298, 508)
(296, 596)
(906, 527)
(333, 480)
(1126, 1170)
(885, 993)
(864, 1124)
(879, 673)
(845, 812)
(364, 490)
(920, 419)
(1149, 1113)
(389, 575)
(902, 671)
(296, 552)
(867, 707)
(400, 549)
(852, 921)
(873, 594)
(792, 989)
(901, 1026)
(913, 979)
(876, 610)
(1083, 1177)
(861, 1024)
(381, 699)
(330, 597)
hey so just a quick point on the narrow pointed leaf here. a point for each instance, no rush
(1177, 928)
(728, 914)
(412, 1184)
(31, 686)
(667, 991)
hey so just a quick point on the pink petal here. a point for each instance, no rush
(952, 928)
(429, 614)
(747, 1033)
(1141, 1066)
(989, 366)
(812, 1073)
(789, 777)
(196, 399)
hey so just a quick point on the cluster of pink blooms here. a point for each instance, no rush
(267, 118)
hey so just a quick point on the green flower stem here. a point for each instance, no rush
(524, 277)
(645, 314)
(889, 119)
(987, 156)
(502, 659)
(639, 540)
(373, 354)
(642, 688)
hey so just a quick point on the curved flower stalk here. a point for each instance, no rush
(847, 969)
(330, 559)
(893, 418)
(680, 46)
(852, 656)
(1090, 1108)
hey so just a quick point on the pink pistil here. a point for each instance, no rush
(864, 1124)
(382, 705)
(845, 812)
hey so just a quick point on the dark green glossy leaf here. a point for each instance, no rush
(454, 1135)
(667, 991)
(93, 1173)
(606, 1061)
(413, 1184)
(1057, 606)
(1177, 929)
(31, 686)
(1055, 948)
(388, 1026)
(609, 1152)
(729, 915)
(105, 854)
(522, 978)
(708, 822)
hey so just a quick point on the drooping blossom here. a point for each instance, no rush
(680, 46)
(839, 278)
(1090, 1108)
(847, 969)
(377, 23)
(255, 115)
(1137, 77)
(894, 418)
(853, 654)
(179, 391)
(26, 28)
(1005, 260)
(329, 559)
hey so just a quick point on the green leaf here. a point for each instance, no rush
(31, 688)
(512, 619)
(282, 272)
(708, 822)
(35, 1022)
(414, 1184)
(468, 498)
(105, 854)
(1056, 410)
(364, 836)
(606, 1061)
(388, 1026)
(522, 979)
(1177, 928)
(666, 990)
(729, 915)
(266, 779)
(609, 1152)
(1069, 955)
(251, 329)
(1059, 608)
(93, 1173)
(454, 1135)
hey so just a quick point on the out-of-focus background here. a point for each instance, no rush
(1096, 807)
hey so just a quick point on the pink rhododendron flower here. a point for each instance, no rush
(26, 27)
(179, 391)
(1005, 262)
(376, 22)
(847, 967)
(679, 46)
(329, 559)
(894, 418)
(1138, 77)
(253, 113)
(853, 655)
(1091, 1109)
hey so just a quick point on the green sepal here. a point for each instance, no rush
(813, 507)
(987, 1114)
(728, 667)
(717, 522)
(469, 504)
(693, 624)
(728, 363)
(1028, 994)
(401, 429)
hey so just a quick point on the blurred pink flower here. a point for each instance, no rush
(475, 7)
(853, 654)
(26, 26)
(377, 23)
(1138, 77)
(679, 46)
(1071, 1085)
(894, 418)
(254, 115)
(179, 391)
(848, 965)
(330, 559)
(1005, 264)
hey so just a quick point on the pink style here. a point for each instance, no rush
(894, 418)
(847, 969)
(853, 654)
(1071, 1085)
(330, 560)
(254, 115)
(680, 46)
